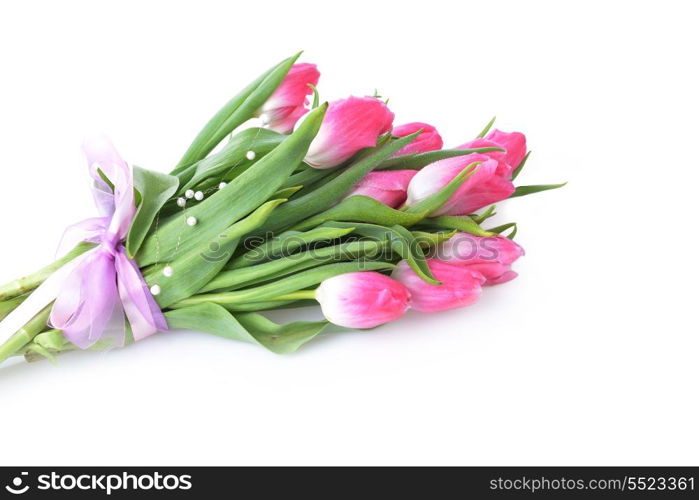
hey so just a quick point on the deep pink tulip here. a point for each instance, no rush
(489, 184)
(428, 140)
(288, 103)
(486, 143)
(362, 299)
(514, 144)
(491, 256)
(349, 125)
(390, 187)
(461, 286)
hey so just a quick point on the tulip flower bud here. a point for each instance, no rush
(514, 144)
(428, 140)
(349, 125)
(461, 286)
(489, 184)
(362, 299)
(491, 256)
(288, 102)
(390, 187)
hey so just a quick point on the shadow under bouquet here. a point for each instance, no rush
(327, 204)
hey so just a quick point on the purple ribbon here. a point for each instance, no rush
(106, 287)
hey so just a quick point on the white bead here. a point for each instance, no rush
(181, 202)
(222, 185)
(155, 290)
(250, 155)
(189, 194)
(198, 196)
(192, 221)
(167, 271)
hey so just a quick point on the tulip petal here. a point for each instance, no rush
(460, 286)
(428, 140)
(350, 125)
(362, 299)
(514, 142)
(389, 187)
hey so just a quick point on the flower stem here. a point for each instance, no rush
(28, 283)
(299, 295)
(25, 334)
(236, 299)
(8, 306)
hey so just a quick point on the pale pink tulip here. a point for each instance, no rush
(428, 140)
(514, 144)
(491, 256)
(288, 103)
(362, 299)
(460, 286)
(489, 184)
(390, 187)
(349, 125)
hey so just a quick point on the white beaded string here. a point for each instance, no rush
(190, 194)
(251, 150)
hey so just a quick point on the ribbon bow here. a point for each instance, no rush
(106, 285)
(95, 292)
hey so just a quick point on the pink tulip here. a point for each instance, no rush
(362, 299)
(350, 125)
(514, 143)
(428, 140)
(461, 286)
(288, 103)
(390, 187)
(489, 184)
(486, 143)
(491, 256)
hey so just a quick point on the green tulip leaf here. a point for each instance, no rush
(235, 112)
(519, 168)
(284, 288)
(401, 241)
(525, 190)
(291, 264)
(430, 240)
(434, 202)
(487, 214)
(501, 229)
(154, 189)
(232, 159)
(362, 209)
(237, 199)
(308, 176)
(487, 128)
(246, 327)
(462, 223)
(328, 194)
(316, 96)
(285, 244)
(419, 160)
(196, 268)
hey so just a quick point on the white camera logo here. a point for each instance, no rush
(16, 487)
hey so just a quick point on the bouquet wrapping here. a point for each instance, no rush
(328, 204)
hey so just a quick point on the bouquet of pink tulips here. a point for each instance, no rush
(326, 204)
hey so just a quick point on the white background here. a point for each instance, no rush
(589, 357)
